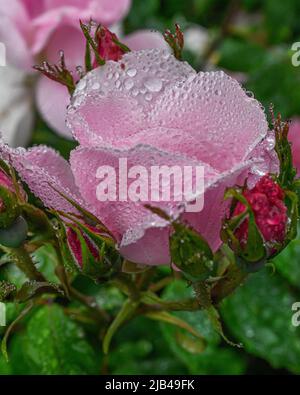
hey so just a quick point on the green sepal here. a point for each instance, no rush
(293, 202)
(10, 208)
(88, 217)
(86, 29)
(61, 236)
(254, 251)
(38, 222)
(283, 149)
(216, 322)
(191, 253)
(175, 41)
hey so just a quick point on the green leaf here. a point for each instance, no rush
(53, 344)
(213, 360)
(277, 81)
(240, 56)
(259, 315)
(135, 353)
(287, 262)
(5, 367)
(45, 259)
(4, 340)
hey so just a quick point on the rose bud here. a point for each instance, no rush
(266, 201)
(88, 245)
(109, 46)
(76, 239)
(9, 208)
(13, 227)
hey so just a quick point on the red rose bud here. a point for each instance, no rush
(6, 181)
(109, 46)
(266, 200)
(9, 207)
(75, 239)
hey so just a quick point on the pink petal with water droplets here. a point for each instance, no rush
(215, 109)
(113, 101)
(151, 249)
(41, 168)
(126, 219)
(178, 141)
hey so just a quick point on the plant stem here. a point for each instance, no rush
(24, 262)
(234, 277)
(88, 301)
(127, 286)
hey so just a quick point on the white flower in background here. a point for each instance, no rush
(196, 39)
(16, 106)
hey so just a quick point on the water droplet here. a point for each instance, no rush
(81, 85)
(96, 86)
(135, 92)
(153, 84)
(131, 72)
(148, 97)
(128, 84)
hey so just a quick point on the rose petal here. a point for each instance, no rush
(151, 249)
(41, 168)
(34, 7)
(17, 52)
(178, 141)
(113, 101)
(68, 13)
(127, 219)
(52, 99)
(145, 39)
(216, 110)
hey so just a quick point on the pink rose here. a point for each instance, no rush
(153, 110)
(294, 137)
(35, 30)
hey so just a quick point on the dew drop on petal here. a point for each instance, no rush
(131, 72)
(128, 84)
(153, 84)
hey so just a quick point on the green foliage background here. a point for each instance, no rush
(52, 340)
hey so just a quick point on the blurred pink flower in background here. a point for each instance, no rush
(153, 110)
(294, 137)
(35, 30)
